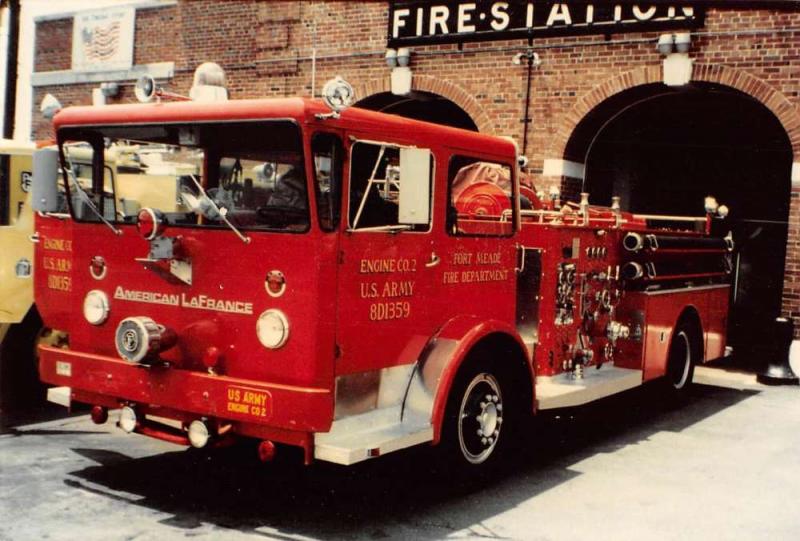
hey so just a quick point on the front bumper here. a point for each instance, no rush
(284, 413)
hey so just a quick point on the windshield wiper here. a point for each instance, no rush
(201, 206)
(86, 198)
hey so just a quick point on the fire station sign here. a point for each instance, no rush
(422, 22)
(103, 39)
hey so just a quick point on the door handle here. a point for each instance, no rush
(435, 260)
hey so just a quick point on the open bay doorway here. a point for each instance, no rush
(663, 150)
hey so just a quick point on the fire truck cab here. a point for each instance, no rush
(350, 282)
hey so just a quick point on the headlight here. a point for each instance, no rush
(198, 434)
(127, 419)
(95, 307)
(272, 329)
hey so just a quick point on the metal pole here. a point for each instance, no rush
(11, 69)
(527, 119)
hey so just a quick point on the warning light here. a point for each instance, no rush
(151, 223)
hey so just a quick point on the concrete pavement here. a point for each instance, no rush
(724, 465)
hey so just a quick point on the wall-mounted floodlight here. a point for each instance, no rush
(678, 66)
(403, 57)
(665, 44)
(529, 56)
(391, 58)
(109, 90)
(50, 106)
(683, 42)
(398, 60)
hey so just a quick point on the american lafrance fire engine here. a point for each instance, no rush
(350, 282)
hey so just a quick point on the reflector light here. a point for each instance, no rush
(96, 307)
(198, 434)
(275, 283)
(211, 357)
(266, 451)
(272, 329)
(97, 268)
(150, 223)
(99, 415)
(127, 419)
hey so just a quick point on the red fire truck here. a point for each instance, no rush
(349, 282)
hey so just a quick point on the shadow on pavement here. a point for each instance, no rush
(39, 412)
(378, 499)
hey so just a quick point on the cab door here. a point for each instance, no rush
(388, 259)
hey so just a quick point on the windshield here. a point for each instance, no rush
(250, 171)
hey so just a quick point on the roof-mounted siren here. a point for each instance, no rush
(338, 95)
(210, 83)
(145, 88)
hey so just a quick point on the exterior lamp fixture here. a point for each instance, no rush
(50, 106)
(391, 58)
(678, 66)
(104, 91)
(665, 44)
(403, 57)
(398, 60)
(338, 95)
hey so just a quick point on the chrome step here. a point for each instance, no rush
(563, 390)
(368, 435)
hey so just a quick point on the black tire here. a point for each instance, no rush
(684, 353)
(481, 420)
(20, 386)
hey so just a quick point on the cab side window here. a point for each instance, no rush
(379, 198)
(327, 154)
(480, 201)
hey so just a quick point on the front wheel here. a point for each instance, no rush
(479, 419)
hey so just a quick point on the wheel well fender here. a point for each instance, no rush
(691, 316)
(446, 352)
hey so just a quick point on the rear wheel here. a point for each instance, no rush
(684, 353)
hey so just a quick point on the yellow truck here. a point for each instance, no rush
(20, 324)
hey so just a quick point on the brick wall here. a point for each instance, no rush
(265, 48)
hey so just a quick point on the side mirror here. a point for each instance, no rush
(415, 186)
(45, 180)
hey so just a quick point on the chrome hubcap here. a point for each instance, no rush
(480, 418)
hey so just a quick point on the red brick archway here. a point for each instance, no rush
(743, 81)
(443, 88)
(787, 114)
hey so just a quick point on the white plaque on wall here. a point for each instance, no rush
(103, 39)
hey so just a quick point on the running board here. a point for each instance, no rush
(564, 391)
(368, 435)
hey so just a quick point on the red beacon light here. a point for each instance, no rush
(151, 223)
